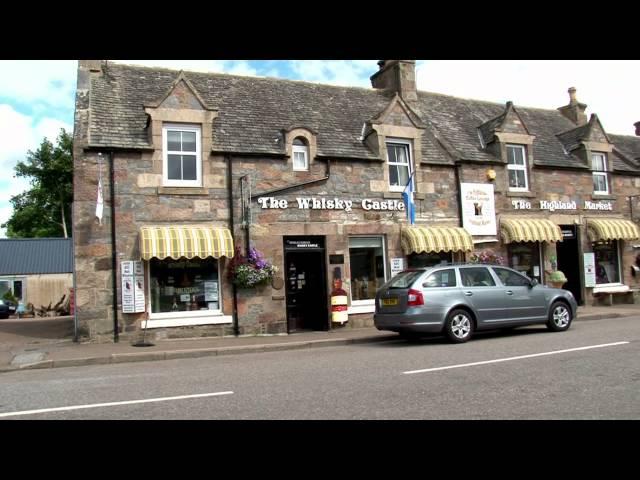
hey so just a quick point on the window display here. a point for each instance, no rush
(607, 264)
(525, 257)
(184, 285)
(366, 259)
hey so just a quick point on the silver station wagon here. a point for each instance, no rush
(459, 299)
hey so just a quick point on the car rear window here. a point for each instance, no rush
(405, 279)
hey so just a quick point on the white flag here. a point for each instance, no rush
(100, 203)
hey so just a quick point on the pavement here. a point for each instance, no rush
(48, 343)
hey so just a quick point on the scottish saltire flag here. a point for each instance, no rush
(407, 197)
(99, 203)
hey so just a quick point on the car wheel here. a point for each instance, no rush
(458, 326)
(559, 317)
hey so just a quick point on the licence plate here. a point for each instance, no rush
(389, 301)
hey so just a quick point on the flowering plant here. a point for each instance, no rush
(250, 271)
(486, 256)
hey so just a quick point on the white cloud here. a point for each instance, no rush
(609, 88)
(335, 72)
(51, 82)
(19, 134)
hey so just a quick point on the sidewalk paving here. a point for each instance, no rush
(66, 353)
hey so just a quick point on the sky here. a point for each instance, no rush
(37, 97)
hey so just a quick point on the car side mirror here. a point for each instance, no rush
(533, 282)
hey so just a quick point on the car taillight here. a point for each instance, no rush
(414, 298)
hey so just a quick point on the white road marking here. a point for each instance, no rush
(111, 404)
(514, 358)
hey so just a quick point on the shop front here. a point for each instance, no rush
(183, 270)
(428, 246)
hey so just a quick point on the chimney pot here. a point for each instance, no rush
(572, 95)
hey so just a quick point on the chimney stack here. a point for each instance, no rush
(397, 76)
(575, 110)
(637, 125)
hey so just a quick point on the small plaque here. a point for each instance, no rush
(336, 259)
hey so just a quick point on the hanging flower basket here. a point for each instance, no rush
(250, 271)
(486, 256)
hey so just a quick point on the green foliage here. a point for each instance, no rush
(45, 209)
(557, 276)
(8, 295)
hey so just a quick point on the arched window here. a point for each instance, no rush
(300, 153)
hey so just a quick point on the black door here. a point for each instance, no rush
(569, 260)
(305, 282)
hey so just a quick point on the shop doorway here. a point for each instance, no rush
(305, 283)
(569, 260)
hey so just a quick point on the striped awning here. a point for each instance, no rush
(529, 230)
(185, 241)
(611, 229)
(435, 239)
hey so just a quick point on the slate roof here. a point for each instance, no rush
(253, 111)
(27, 256)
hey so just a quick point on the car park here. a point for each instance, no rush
(459, 299)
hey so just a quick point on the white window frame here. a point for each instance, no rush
(408, 145)
(516, 167)
(365, 306)
(165, 155)
(619, 283)
(304, 149)
(179, 319)
(600, 173)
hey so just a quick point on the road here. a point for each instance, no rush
(591, 371)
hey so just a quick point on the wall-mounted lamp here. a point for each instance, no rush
(491, 174)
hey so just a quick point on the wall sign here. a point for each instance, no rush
(478, 208)
(553, 205)
(397, 265)
(132, 274)
(589, 269)
(314, 203)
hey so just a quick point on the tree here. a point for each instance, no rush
(45, 209)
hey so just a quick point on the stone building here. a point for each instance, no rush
(312, 176)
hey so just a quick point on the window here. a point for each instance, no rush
(399, 161)
(476, 277)
(525, 257)
(607, 262)
(182, 160)
(599, 167)
(442, 278)
(430, 259)
(184, 285)
(366, 261)
(510, 279)
(517, 168)
(300, 152)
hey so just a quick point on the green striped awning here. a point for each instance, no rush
(611, 229)
(529, 230)
(435, 239)
(185, 241)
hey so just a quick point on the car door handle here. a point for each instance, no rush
(468, 293)
(509, 292)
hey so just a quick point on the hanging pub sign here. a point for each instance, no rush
(478, 208)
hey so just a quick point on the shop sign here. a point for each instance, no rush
(589, 269)
(306, 203)
(478, 208)
(597, 205)
(132, 274)
(302, 244)
(553, 205)
(568, 233)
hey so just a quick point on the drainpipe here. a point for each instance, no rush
(236, 328)
(75, 289)
(114, 263)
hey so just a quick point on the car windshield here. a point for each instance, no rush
(405, 279)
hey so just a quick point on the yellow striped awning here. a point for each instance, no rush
(611, 229)
(529, 230)
(435, 239)
(185, 241)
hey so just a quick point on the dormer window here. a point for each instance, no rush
(300, 152)
(181, 153)
(517, 168)
(600, 180)
(399, 162)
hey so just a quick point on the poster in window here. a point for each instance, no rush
(589, 270)
(478, 208)
(210, 291)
